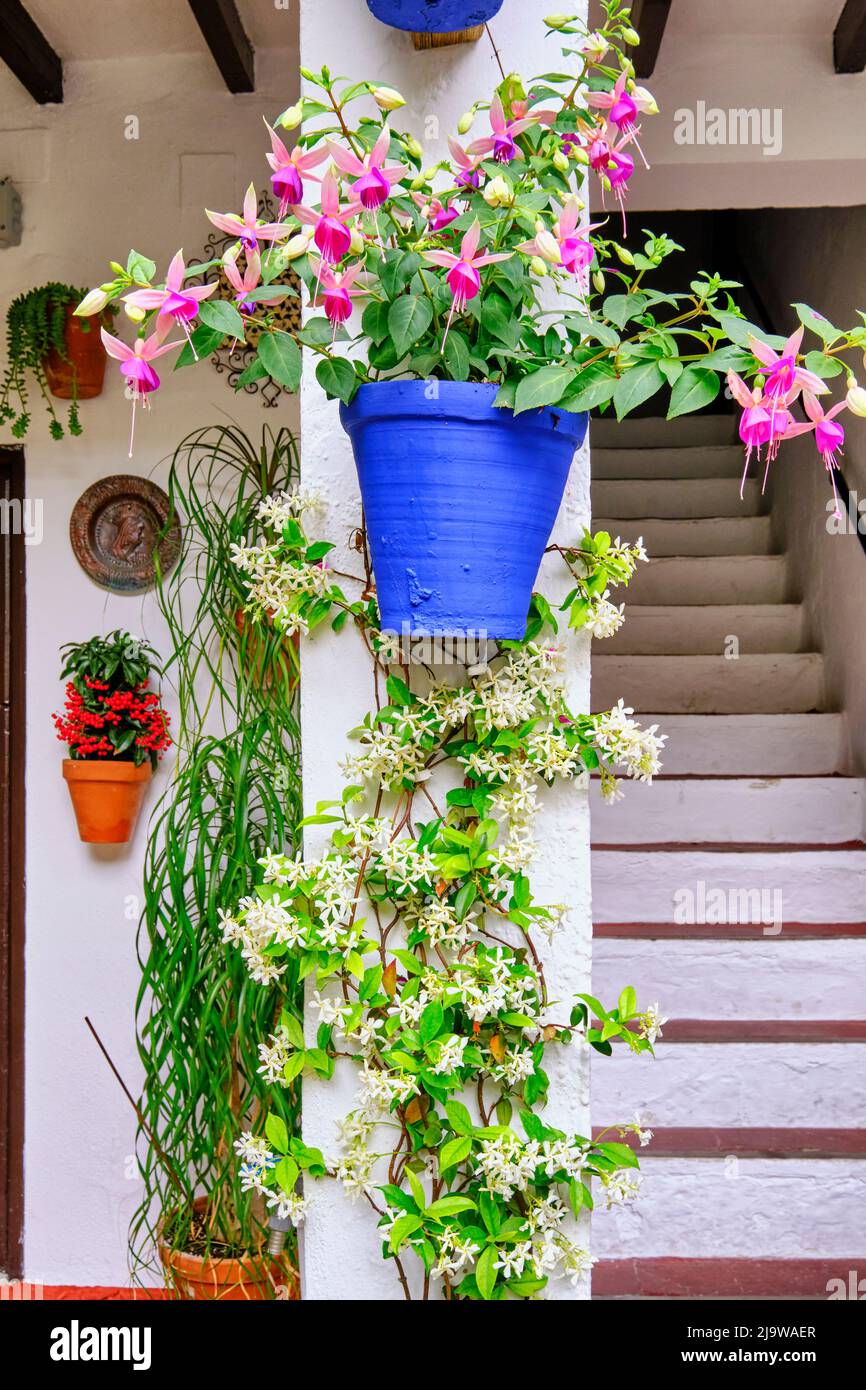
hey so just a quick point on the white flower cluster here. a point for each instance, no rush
(257, 1159)
(635, 749)
(604, 618)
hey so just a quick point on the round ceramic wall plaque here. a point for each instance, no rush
(114, 529)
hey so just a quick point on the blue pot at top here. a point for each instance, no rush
(459, 500)
(434, 16)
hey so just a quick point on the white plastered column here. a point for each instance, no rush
(341, 1247)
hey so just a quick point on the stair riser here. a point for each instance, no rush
(738, 886)
(747, 535)
(715, 580)
(684, 631)
(756, 811)
(710, 461)
(764, 684)
(734, 1085)
(752, 979)
(675, 498)
(810, 745)
(805, 1208)
(640, 432)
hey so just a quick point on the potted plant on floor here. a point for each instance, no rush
(116, 730)
(235, 791)
(63, 352)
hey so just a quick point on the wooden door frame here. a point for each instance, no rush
(12, 854)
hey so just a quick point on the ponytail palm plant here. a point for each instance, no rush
(234, 794)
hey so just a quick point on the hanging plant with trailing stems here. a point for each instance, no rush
(35, 327)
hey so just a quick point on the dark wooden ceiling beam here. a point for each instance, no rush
(226, 38)
(849, 38)
(649, 18)
(26, 52)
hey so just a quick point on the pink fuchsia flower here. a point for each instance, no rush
(759, 426)
(829, 435)
(135, 364)
(463, 278)
(174, 302)
(290, 168)
(618, 103)
(373, 178)
(331, 234)
(436, 214)
(246, 225)
(783, 375)
(335, 291)
(468, 174)
(501, 143)
(573, 250)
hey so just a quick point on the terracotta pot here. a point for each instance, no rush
(106, 798)
(84, 372)
(210, 1279)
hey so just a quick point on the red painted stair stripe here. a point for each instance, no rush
(671, 1277)
(725, 931)
(746, 1143)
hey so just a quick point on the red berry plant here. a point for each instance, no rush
(109, 711)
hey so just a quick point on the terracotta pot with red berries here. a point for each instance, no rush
(116, 731)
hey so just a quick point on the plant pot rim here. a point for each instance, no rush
(461, 400)
(110, 770)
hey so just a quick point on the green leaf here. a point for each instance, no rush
(619, 308)
(693, 389)
(822, 365)
(450, 1206)
(431, 1024)
(817, 323)
(293, 1028)
(464, 900)
(337, 377)
(408, 320)
(544, 387)
(282, 358)
(591, 387)
(486, 1273)
(286, 1175)
(374, 321)
(456, 356)
(627, 1005)
(458, 1117)
(204, 341)
(637, 384)
(294, 1065)
(404, 1227)
(454, 1152)
(417, 1189)
(278, 1135)
(219, 313)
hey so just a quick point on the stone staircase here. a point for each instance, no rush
(731, 891)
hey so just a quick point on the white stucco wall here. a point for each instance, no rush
(88, 195)
(342, 1258)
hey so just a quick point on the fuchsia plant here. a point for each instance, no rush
(453, 259)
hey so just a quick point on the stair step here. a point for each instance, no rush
(767, 683)
(737, 810)
(736, 579)
(696, 461)
(717, 535)
(705, 630)
(793, 1207)
(753, 1278)
(758, 885)
(776, 977)
(733, 1085)
(650, 432)
(761, 745)
(674, 498)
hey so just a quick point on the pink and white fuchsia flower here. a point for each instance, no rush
(829, 436)
(331, 231)
(463, 278)
(174, 302)
(246, 224)
(336, 290)
(290, 168)
(501, 143)
(374, 179)
(135, 364)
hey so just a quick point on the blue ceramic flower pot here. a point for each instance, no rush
(434, 16)
(459, 499)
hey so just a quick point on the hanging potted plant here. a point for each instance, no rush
(437, 23)
(63, 352)
(116, 730)
(493, 317)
